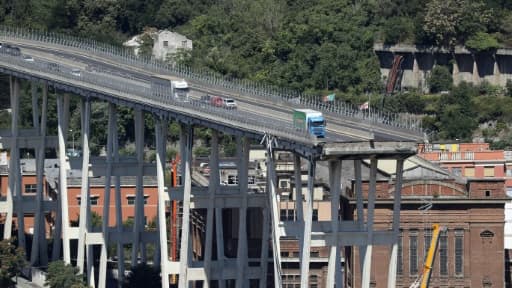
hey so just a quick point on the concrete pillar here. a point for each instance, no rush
(393, 260)
(496, 71)
(243, 167)
(367, 264)
(334, 267)
(62, 224)
(476, 76)
(84, 191)
(264, 248)
(212, 190)
(274, 212)
(187, 132)
(416, 71)
(15, 167)
(118, 204)
(161, 141)
(39, 253)
(456, 70)
(298, 195)
(359, 209)
(138, 226)
(112, 125)
(305, 246)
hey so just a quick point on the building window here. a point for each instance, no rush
(184, 43)
(282, 216)
(413, 253)
(428, 239)
(443, 254)
(400, 260)
(92, 199)
(313, 280)
(232, 180)
(290, 281)
(457, 171)
(131, 199)
(486, 234)
(459, 252)
(315, 214)
(283, 184)
(314, 254)
(489, 171)
(30, 188)
(291, 215)
(250, 180)
(469, 171)
(166, 43)
(487, 193)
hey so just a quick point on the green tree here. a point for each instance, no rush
(440, 79)
(481, 42)
(62, 275)
(12, 260)
(143, 275)
(457, 116)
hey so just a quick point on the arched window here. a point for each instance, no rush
(487, 234)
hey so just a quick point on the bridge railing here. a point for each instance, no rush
(119, 87)
(125, 56)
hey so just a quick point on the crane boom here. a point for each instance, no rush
(424, 279)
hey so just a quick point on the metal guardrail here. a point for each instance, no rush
(161, 96)
(125, 56)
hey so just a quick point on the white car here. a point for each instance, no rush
(28, 58)
(76, 72)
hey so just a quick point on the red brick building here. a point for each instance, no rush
(470, 252)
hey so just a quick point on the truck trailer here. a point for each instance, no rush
(309, 120)
(170, 86)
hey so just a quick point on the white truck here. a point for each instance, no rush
(170, 86)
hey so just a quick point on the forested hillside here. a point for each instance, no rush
(314, 46)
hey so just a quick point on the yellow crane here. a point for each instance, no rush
(424, 278)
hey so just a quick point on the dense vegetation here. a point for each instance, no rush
(320, 46)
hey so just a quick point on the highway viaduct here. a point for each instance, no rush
(121, 80)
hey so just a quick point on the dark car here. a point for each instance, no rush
(53, 67)
(11, 50)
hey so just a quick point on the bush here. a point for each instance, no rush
(482, 42)
(440, 79)
(62, 275)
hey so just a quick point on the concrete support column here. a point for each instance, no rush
(264, 247)
(112, 125)
(187, 132)
(274, 212)
(39, 245)
(305, 246)
(12, 164)
(367, 264)
(63, 221)
(416, 71)
(496, 71)
(476, 76)
(334, 267)
(15, 167)
(456, 70)
(393, 260)
(212, 190)
(161, 141)
(298, 195)
(359, 209)
(84, 191)
(138, 226)
(243, 173)
(118, 203)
